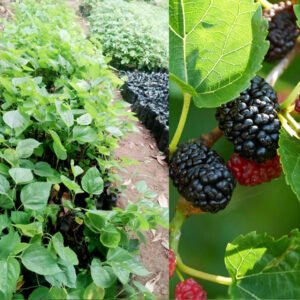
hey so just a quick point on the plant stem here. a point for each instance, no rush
(210, 138)
(184, 113)
(282, 65)
(182, 212)
(291, 98)
(179, 275)
(265, 3)
(202, 275)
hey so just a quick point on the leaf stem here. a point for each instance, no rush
(182, 212)
(291, 98)
(210, 138)
(265, 3)
(184, 113)
(202, 275)
(179, 274)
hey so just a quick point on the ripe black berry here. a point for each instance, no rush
(283, 30)
(251, 123)
(201, 176)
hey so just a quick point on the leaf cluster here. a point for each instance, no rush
(132, 33)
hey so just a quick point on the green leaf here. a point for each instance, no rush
(114, 131)
(14, 119)
(31, 229)
(38, 259)
(21, 175)
(84, 134)
(85, 119)
(63, 252)
(9, 275)
(103, 276)
(76, 170)
(93, 292)
(289, 149)
(4, 185)
(26, 147)
(216, 47)
(4, 222)
(35, 195)
(258, 262)
(92, 181)
(40, 293)
(95, 220)
(43, 169)
(65, 113)
(66, 277)
(7, 244)
(20, 217)
(59, 149)
(297, 13)
(71, 185)
(57, 294)
(141, 186)
(110, 236)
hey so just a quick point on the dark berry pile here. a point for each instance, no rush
(251, 173)
(251, 121)
(201, 176)
(149, 95)
(172, 263)
(283, 30)
(189, 290)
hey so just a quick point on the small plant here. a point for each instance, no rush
(216, 52)
(59, 236)
(131, 33)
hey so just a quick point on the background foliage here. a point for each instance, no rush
(130, 32)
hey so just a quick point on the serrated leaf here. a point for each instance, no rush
(257, 262)
(297, 13)
(289, 149)
(216, 47)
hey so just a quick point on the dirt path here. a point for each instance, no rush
(140, 146)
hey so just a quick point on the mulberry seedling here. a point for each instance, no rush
(283, 30)
(189, 290)
(251, 122)
(201, 176)
(250, 173)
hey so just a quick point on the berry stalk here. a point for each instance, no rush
(265, 3)
(183, 211)
(185, 109)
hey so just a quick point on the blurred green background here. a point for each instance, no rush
(270, 207)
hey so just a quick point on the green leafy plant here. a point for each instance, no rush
(58, 130)
(214, 59)
(132, 33)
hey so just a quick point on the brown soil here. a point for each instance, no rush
(140, 146)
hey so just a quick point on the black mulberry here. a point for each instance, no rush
(283, 30)
(201, 176)
(251, 121)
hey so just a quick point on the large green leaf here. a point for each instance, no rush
(110, 236)
(65, 113)
(264, 268)
(21, 175)
(26, 147)
(36, 195)
(58, 147)
(297, 13)
(92, 181)
(7, 244)
(10, 271)
(289, 149)
(103, 276)
(38, 259)
(216, 47)
(93, 292)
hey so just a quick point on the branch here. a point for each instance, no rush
(283, 64)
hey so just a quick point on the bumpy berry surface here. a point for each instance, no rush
(172, 263)
(189, 290)
(297, 106)
(251, 121)
(283, 30)
(201, 176)
(251, 173)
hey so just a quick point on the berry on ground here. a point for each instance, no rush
(283, 30)
(201, 176)
(297, 105)
(172, 263)
(251, 173)
(189, 290)
(251, 122)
